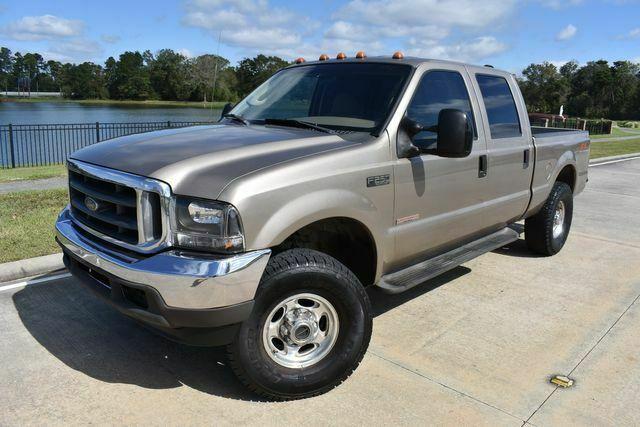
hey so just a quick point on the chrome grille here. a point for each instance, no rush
(118, 207)
(115, 212)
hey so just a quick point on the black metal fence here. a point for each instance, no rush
(594, 127)
(47, 144)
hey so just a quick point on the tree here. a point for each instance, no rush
(544, 88)
(84, 81)
(128, 78)
(169, 75)
(208, 71)
(252, 72)
(6, 67)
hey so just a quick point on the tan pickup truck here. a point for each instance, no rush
(263, 232)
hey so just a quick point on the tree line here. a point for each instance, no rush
(595, 90)
(165, 75)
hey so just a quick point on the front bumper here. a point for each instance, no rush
(173, 291)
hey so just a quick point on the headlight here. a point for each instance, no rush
(207, 225)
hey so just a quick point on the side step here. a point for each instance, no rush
(416, 274)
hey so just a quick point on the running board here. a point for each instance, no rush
(416, 274)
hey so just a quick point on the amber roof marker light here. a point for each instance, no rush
(299, 60)
(360, 54)
(323, 57)
(398, 55)
(341, 55)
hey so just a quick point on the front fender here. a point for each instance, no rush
(308, 208)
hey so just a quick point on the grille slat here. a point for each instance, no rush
(117, 207)
(117, 198)
(105, 215)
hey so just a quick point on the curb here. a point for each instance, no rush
(611, 158)
(30, 267)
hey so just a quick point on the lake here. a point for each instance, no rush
(69, 112)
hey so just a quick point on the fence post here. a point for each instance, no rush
(168, 123)
(11, 147)
(97, 131)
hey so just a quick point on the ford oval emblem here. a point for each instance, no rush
(91, 204)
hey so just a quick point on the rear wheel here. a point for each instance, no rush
(547, 231)
(309, 329)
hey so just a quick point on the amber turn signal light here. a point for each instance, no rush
(341, 55)
(323, 57)
(398, 55)
(360, 54)
(299, 60)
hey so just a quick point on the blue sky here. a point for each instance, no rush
(506, 33)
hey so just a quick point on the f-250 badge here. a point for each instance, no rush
(378, 180)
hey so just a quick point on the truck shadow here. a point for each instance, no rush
(517, 249)
(91, 337)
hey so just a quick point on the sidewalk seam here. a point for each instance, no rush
(587, 354)
(421, 375)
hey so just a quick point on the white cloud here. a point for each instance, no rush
(74, 50)
(634, 34)
(403, 14)
(252, 25)
(566, 33)
(560, 4)
(470, 51)
(110, 38)
(185, 52)
(44, 27)
(381, 27)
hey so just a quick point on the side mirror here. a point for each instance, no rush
(225, 110)
(455, 135)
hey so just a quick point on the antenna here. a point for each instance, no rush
(215, 71)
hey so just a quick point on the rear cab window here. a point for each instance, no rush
(500, 105)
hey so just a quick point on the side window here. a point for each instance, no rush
(438, 90)
(501, 108)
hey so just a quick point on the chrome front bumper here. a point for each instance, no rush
(183, 280)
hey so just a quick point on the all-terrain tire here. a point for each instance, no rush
(539, 229)
(287, 274)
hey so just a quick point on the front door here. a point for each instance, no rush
(438, 200)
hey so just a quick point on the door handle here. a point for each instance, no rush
(482, 169)
(525, 161)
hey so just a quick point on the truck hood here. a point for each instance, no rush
(200, 161)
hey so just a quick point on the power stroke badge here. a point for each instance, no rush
(378, 180)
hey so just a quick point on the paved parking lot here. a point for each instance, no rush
(476, 345)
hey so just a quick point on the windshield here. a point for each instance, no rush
(342, 97)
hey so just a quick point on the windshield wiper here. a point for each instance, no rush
(297, 123)
(237, 118)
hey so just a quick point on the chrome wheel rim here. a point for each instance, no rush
(558, 220)
(300, 331)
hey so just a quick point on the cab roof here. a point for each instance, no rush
(407, 60)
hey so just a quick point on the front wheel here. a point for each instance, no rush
(309, 329)
(547, 231)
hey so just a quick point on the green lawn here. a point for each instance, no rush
(37, 172)
(615, 132)
(614, 148)
(27, 223)
(148, 103)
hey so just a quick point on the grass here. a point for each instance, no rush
(616, 132)
(27, 223)
(36, 172)
(614, 148)
(147, 103)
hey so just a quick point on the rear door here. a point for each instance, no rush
(509, 146)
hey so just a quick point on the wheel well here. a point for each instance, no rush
(568, 176)
(345, 239)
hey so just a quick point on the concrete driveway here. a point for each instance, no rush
(475, 346)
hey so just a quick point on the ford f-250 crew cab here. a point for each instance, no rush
(263, 231)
